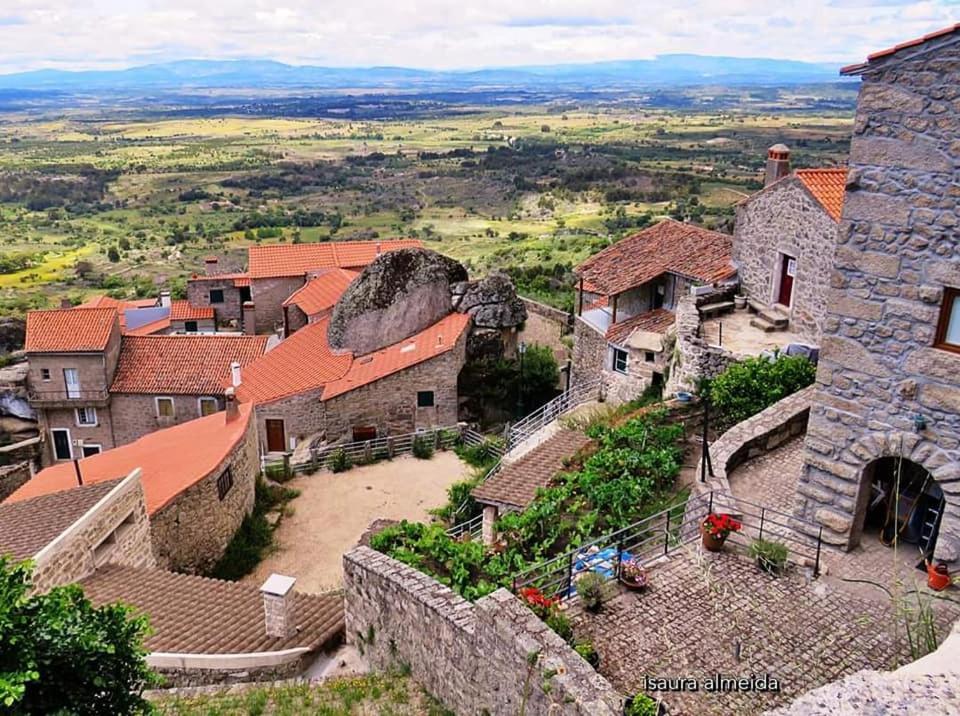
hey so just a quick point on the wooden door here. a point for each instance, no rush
(788, 271)
(276, 440)
(62, 449)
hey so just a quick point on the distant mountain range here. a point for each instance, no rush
(663, 71)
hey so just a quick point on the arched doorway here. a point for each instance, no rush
(900, 504)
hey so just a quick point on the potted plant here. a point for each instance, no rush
(938, 577)
(633, 575)
(590, 589)
(771, 556)
(716, 529)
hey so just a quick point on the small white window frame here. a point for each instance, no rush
(86, 446)
(80, 424)
(207, 398)
(173, 407)
(613, 360)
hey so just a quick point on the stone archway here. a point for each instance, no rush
(834, 492)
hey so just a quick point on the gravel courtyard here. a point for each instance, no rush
(334, 510)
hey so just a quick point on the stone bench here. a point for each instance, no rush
(712, 309)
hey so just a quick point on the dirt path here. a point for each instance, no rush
(334, 510)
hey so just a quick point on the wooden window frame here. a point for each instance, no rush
(433, 398)
(45, 375)
(205, 399)
(223, 296)
(950, 296)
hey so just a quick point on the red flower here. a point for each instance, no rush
(720, 525)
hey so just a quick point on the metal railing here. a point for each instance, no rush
(550, 411)
(58, 396)
(660, 534)
(493, 445)
(472, 527)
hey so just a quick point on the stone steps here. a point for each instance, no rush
(768, 319)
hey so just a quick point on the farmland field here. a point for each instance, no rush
(529, 189)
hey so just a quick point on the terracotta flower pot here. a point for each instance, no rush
(711, 543)
(938, 578)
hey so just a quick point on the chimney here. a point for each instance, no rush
(165, 298)
(249, 318)
(211, 265)
(778, 163)
(235, 374)
(65, 303)
(230, 400)
(278, 612)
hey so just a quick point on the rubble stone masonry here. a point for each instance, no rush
(268, 295)
(898, 248)
(493, 656)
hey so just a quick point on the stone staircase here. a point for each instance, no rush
(768, 318)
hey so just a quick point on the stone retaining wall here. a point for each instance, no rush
(493, 656)
(12, 476)
(541, 309)
(693, 357)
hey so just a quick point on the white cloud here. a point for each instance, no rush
(437, 34)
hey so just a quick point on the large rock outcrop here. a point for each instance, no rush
(399, 294)
(491, 301)
(13, 331)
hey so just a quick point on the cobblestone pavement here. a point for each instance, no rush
(771, 479)
(708, 614)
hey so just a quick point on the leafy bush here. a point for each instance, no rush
(643, 705)
(60, 654)
(483, 455)
(748, 387)
(586, 650)
(423, 447)
(339, 461)
(590, 590)
(771, 556)
(560, 623)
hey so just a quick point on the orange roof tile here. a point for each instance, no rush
(880, 54)
(171, 460)
(322, 292)
(183, 311)
(148, 329)
(300, 363)
(659, 320)
(297, 259)
(669, 246)
(70, 330)
(185, 365)
(239, 278)
(828, 186)
(428, 343)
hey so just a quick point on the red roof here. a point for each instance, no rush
(667, 247)
(69, 330)
(322, 292)
(172, 460)
(148, 329)
(300, 363)
(277, 260)
(184, 365)
(305, 361)
(880, 54)
(239, 278)
(828, 186)
(183, 311)
(659, 320)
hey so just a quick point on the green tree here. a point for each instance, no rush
(113, 254)
(124, 243)
(60, 654)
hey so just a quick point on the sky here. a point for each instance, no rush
(107, 34)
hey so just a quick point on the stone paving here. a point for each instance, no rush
(771, 479)
(707, 614)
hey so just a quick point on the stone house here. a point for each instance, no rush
(784, 241)
(626, 299)
(316, 299)
(887, 404)
(201, 630)
(198, 481)
(225, 293)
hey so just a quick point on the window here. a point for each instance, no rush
(208, 405)
(216, 295)
(62, 447)
(71, 378)
(245, 294)
(165, 408)
(190, 326)
(91, 449)
(86, 416)
(362, 433)
(948, 329)
(424, 398)
(649, 356)
(620, 360)
(224, 483)
(44, 374)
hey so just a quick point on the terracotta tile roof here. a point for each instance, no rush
(429, 343)
(148, 329)
(184, 365)
(659, 320)
(300, 363)
(105, 301)
(828, 186)
(297, 259)
(669, 246)
(239, 278)
(171, 460)
(198, 615)
(322, 292)
(517, 483)
(243, 280)
(28, 526)
(183, 311)
(69, 330)
(880, 54)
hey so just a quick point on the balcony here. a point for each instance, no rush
(63, 398)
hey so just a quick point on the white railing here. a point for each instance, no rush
(547, 413)
(472, 527)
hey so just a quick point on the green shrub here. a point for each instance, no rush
(586, 650)
(771, 556)
(483, 455)
(339, 461)
(560, 623)
(423, 446)
(643, 705)
(748, 387)
(590, 590)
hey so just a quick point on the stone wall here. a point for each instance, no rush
(134, 415)
(115, 530)
(12, 476)
(66, 418)
(268, 295)
(231, 310)
(561, 318)
(693, 357)
(191, 532)
(898, 247)
(303, 415)
(493, 656)
(786, 219)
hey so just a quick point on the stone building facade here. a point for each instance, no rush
(268, 295)
(133, 415)
(889, 376)
(223, 294)
(783, 222)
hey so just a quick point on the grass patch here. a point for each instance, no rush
(254, 539)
